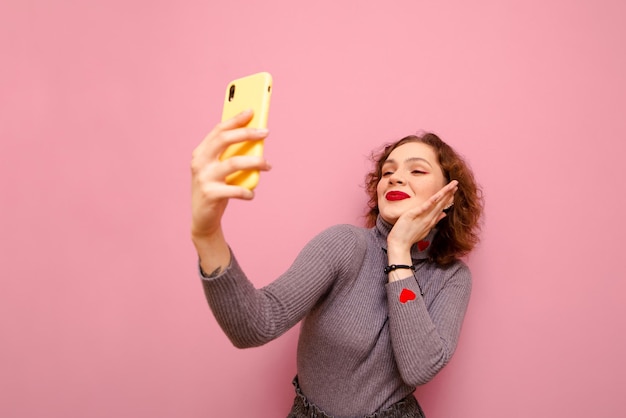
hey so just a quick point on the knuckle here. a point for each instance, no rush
(222, 125)
(231, 164)
(195, 167)
(206, 192)
(219, 137)
(199, 166)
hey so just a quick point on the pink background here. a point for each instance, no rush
(102, 313)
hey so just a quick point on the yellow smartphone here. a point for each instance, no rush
(250, 92)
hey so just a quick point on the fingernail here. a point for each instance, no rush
(246, 112)
(262, 131)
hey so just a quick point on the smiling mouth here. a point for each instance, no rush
(395, 195)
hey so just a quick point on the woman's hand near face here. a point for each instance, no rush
(209, 191)
(415, 224)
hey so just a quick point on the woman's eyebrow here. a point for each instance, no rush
(408, 160)
(417, 159)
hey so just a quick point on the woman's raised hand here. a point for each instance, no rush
(210, 193)
(415, 224)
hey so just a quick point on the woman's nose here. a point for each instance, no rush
(396, 178)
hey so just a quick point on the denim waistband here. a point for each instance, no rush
(405, 408)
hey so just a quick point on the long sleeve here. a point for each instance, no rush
(252, 317)
(374, 348)
(425, 331)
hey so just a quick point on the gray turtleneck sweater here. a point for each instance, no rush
(362, 346)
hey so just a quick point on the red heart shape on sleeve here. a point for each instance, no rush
(422, 245)
(406, 295)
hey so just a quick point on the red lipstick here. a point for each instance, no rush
(396, 195)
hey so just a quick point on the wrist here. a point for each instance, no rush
(394, 267)
(397, 272)
(397, 255)
(398, 248)
(202, 238)
(398, 275)
(213, 252)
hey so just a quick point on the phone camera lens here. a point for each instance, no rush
(231, 93)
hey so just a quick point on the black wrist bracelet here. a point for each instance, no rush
(393, 267)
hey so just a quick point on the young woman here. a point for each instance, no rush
(381, 307)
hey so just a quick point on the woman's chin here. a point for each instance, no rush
(390, 218)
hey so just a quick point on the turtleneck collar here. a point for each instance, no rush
(419, 250)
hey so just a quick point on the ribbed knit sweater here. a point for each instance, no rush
(360, 347)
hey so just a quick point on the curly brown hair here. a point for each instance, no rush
(458, 231)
